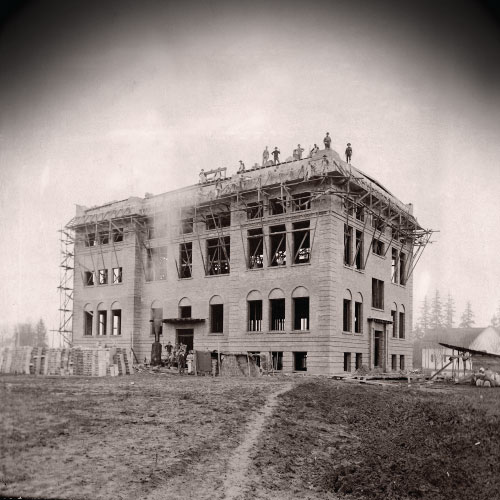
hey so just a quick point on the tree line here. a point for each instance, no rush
(24, 334)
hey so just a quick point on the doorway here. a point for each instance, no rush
(185, 336)
(377, 354)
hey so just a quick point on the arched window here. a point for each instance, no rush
(116, 318)
(402, 322)
(358, 313)
(300, 301)
(277, 309)
(102, 319)
(254, 311)
(347, 311)
(88, 319)
(216, 314)
(394, 316)
(185, 308)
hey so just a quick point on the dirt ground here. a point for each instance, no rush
(169, 437)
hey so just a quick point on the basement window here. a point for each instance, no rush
(402, 362)
(185, 312)
(377, 294)
(300, 361)
(359, 360)
(117, 235)
(301, 313)
(102, 322)
(347, 244)
(394, 266)
(277, 314)
(358, 317)
(378, 247)
(255, 315)
(255, 248)
(103, 237)
(402, 325)
(394, 316)
(277, 206)
(90, 240)
(346, 316)
(358, 260)
(255, 210)
(301, 201)
(277, 360)
(116, 315)
(394, 362)
(156, 263)
(218, 254)
(277, 237)
(217, 318)
(103, 276)
(88, 318)
(186, 260)
(217, 221)
(347, 361)
(301, 242)
(89, 278)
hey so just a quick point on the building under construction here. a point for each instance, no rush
(309, 261)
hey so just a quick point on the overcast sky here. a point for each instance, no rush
(104, 100)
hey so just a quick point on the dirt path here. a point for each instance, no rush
(236, 474)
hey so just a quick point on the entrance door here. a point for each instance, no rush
(185, 336)
(377, 359)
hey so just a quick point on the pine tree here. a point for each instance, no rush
(41, 334)
(436, 317)
(467, 319)
(495, 320)
(449, 311)
(24, 334)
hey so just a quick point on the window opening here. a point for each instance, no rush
(255, 248)
(217, 221)
(277, 314)
(255, 315)
(401, 325)
(300, 361)
(102, 317)
(156, 263)
(88, 321)
(277, 238)
(103, 237)
(394, 266)
(117, 322)
(402, 265)
(377, 294)
(347, 361)
(378, 247)
(359, 360)
(394, 362)
(394, 316)
(185, 312)
(90, 240)
(346, 323)
(358, 261)
(277, 358)
(358, 317)
(301, 201)
(360, 213)
(301, 313)
(402, 362)
(255, 210)
(186, 259)
(103, 276)
(301, 242)
(347, 245)
(256, 356)
(277, 206)
(117, 235)
(89, 278)
(217, 318)
(218, 254)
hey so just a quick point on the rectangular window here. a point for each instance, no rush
(346, 317)
(117, 322)
(255, 210)
(104, 237)
(359, 360)
(184, 312)
(103, 276)
(156, 263)
(277, 359)
(217, 318)
(402, 270)
(90, 240)
(377, 294)
(277, 238)
(358, 317)
(277, 206)
(394, 266)
(377, 222)
(89, 278)
(347, 361)
(157, 320)
(394, 362)
(401, 325)
(301, 201)
(277, 314)
(401, 362)
(347, 245)
(378, 247)
(186, 260)
(301, 313)
(300, 361)
(255, 248)
(117, 235)
(255, 315)
(88, 318)
(256, 356)
(301, 242)
(394, 316)
(187, 225)
(218, 255)
(358, 261)
(360, 213)
(103, 319)
(217, 221)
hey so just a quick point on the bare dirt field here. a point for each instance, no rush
(169, 437)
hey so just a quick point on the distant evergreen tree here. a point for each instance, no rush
(436, 316)
(449, 311)
(24, 334)
(467, 319)
(41, 334)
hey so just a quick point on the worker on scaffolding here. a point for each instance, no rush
(276, 155)
(327, 140)
(265, 157)
(241, 168)
(203, 177)
(314, 150)
(297, 153)
(348, 153)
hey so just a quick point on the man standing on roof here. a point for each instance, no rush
(348, 153)
(242, 167)
(265, 157)
(203, 177)
(314, 150)
(276, 155)
(327, 140)
(299, 152)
